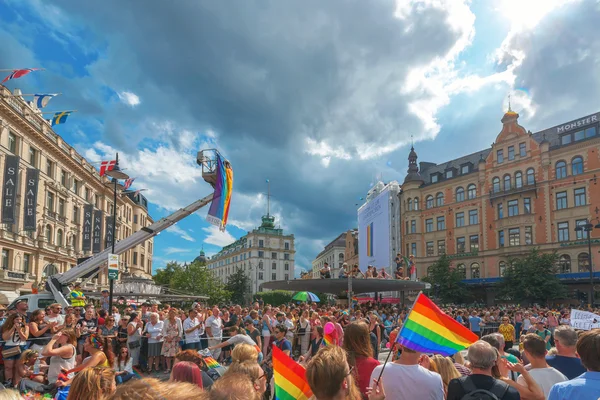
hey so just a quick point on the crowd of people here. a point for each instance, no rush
(529, 353)
(372, 272)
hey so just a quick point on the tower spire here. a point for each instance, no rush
(509, 109)
(268, 197)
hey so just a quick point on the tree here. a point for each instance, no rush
(238, 284)
(276, 297)
(164, 276)
(532, 279)
(446, 282)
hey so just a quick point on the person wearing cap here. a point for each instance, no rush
(22, 308)
(77, 297)
(543, 333)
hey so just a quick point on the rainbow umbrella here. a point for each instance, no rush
(306, 296)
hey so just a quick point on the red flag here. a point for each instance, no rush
(107, 166)
(17, 73)
(128, 183)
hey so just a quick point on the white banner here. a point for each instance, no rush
(374, 232)
(584, 320)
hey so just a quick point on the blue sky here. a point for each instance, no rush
(319, 97)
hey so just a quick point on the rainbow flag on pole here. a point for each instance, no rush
(429, 330)
(370, 240)
(219, 208)
(290, 378)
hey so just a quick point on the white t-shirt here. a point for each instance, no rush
(239, 338)
(154, 331)
(60, 319)
(545, 377)
(194, 336)
(215, 323)
(409, 382)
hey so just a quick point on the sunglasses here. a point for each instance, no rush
(262, 376)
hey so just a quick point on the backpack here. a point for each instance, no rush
(496, 392)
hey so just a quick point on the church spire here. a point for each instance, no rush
(413, 168)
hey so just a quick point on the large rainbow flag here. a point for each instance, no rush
(370, 240)
(290, 378)
(219, 208)
(429, 330)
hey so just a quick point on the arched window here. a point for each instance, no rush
(561, 170)
(49, 270)
(439, 199)
(475, 271)
(471, 191)
(59, 237)
(518, 179)
(463, 270)
(460, 194)
(530, 176)
(409, 205)
(260, 265)
(577, 166)
(564, 264)
(501, 268)
(583, 262)
(496, 184)
(341, 257)
(48, 233)
(506, 182)
(429, 201)
(416, 204)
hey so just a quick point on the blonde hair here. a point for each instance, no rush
(153, 389)
(249, 368)
(234, 386)
(327, 371)
(92, 384)
(27, 354)
(445, 367)
(244, 352)
(458, 358)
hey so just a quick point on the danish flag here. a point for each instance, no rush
(107, 166)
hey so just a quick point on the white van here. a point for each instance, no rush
(35, 301)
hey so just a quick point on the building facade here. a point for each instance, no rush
(526, 191)
(50, 239)
(265, 254)
(351, 251)
(333, 254)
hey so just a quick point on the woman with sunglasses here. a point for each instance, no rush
(123, 366)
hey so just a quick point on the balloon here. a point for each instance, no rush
(328, 328)
(387, 345)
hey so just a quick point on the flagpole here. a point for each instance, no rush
(392, 347)
(54, 112)
(32, 94)
(18, 69)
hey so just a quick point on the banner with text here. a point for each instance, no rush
(108, 232)
(584, 320)
(97, 236)
(32, 178)
(9, 188)
(88, 211)
(374, 232)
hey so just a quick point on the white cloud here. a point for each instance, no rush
(173, 250)
(182, 233)
(217, 237)
(129, 98)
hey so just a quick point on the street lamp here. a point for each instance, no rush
(588, 227)
(115, 174)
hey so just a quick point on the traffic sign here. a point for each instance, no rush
(113, 266)
(113, 274)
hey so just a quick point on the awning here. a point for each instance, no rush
(336, 286)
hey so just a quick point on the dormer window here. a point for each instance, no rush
(434, 178)
(449, 174)
(464, 169)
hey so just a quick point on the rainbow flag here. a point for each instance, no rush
(328, 340)
(137, 372)
(290, 378)
(211, 363)
(219, 208)
(429, 330)
(370, 240)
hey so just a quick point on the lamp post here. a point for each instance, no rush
(115, 174)
(588, 227)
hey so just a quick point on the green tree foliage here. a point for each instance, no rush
(276, 297)
(164, 276)
(238, 284)
(446, 282)
(532, 279)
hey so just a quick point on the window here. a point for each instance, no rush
(441, 223)
(260, 265)
(61, 207)
(48, 234)
(59, 237)
(580, 197)
(441, 247)
(12, 143)
(506, 183)
(460, 219)
(5, 258)
(522, 150)
(50, 201)
(416, 204)
(501, 238)
(261, 243)
(511, 153)
(286, 245)
(76, 215)
(274, 276)
(462, 270)
(87, 194)
(449, 174)
(561, 200)
(496, 184)
(501, 268)
(518, 179)
(565, 139)
(527, 205)
(474, 243)
(286, 277)
(564, 264)
(513, 208)
(439, 199)
(460, 245)
(500, 156)
(561, 170)
(583, 262)
(471, 191)
(464, 169)
(135, 218)
(500, 211)
(582, 234)
(528, 235)
(273, 265)
(413, 249)
(429, 202)
(286, 267)
(434, 178)
(473, 217)
(514, 237)
(274, 256)
(413, 226)
(475, 271)
(579, 135)
(260, 276)
(49, 168)
(531, 176)
(429, 225)
(577, 166)
(409, 205)
(286, 256)
(429, 249)
(563, 231)
(76, 186)
(26, 262)
(32, 156)
(460, 194)
(261, 254)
